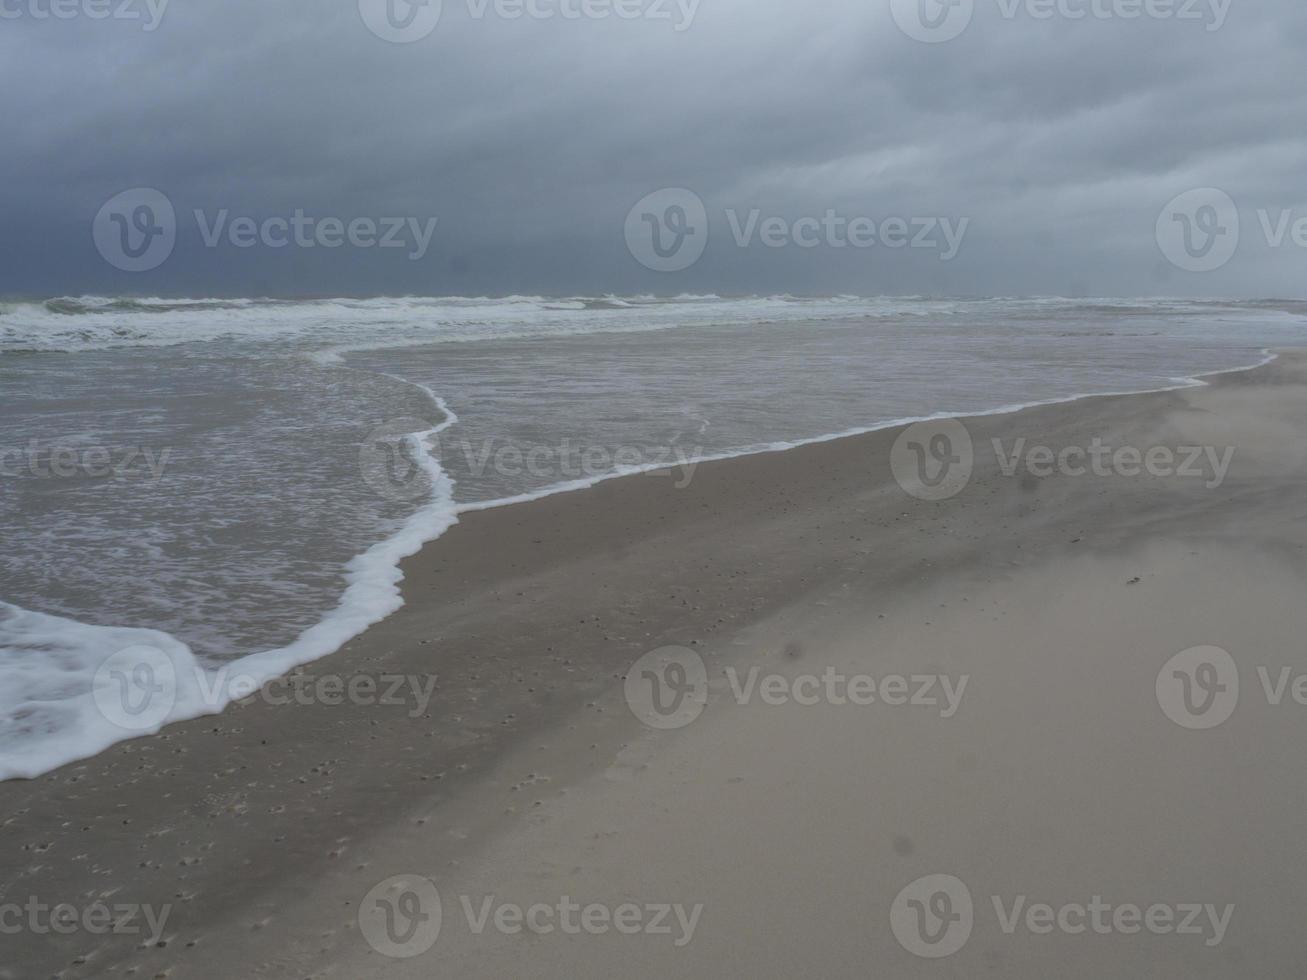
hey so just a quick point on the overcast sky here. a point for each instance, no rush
(1059, 140)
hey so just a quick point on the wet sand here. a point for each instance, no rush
(1058, 777)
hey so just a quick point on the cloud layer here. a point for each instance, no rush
(1060, 138)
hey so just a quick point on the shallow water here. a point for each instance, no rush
(229, 481)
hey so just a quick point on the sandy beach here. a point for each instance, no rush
(930, 726)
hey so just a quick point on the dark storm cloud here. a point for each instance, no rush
(1059, 139)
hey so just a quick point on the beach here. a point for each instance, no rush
(1031, 752)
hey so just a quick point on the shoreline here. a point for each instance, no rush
(534, 612)
(341, 624)
(1180, 384)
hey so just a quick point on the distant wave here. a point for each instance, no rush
(966, 356)
(75, 306)
(91, 323)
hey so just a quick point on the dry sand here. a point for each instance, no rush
(790, 828)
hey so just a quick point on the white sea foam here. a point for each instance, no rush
(49, 712)
(52, 681)
(88, 323)
(781, 446)
(340, 325)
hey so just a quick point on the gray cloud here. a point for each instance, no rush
(530, 140)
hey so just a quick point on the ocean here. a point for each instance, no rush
(229, 485)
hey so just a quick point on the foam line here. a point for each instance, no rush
(43, 726)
